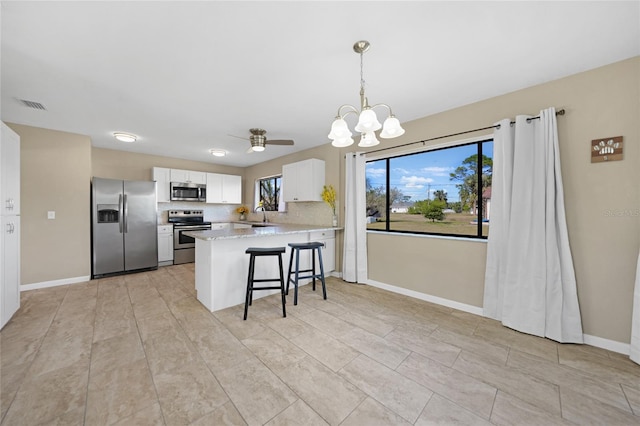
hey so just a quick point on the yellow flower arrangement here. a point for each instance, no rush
(242, 210)
(329, 197)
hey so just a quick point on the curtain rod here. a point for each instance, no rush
(497, 126)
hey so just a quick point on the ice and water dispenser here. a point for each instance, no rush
(108, 213)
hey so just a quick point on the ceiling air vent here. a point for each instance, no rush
(32, 104)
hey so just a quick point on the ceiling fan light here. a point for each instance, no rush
(368, 139)
(368, 122)
(125, 137)
(339, 129)
(341, 143)
(257, 148)
(391, 128)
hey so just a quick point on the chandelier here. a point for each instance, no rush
(367, 120)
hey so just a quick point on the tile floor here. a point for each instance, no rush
(141, 350)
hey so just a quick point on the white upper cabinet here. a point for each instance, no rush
(303, 181)
(162, 177)
(188, 176)
(10, 174)
(224, 189)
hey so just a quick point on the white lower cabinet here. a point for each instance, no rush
(165, 245)
(329, 250)
(10, 270)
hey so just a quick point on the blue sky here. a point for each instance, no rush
(415, 175)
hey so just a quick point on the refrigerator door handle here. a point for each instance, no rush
(126, 214)
(121, 211)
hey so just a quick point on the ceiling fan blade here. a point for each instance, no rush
(279, 142)
(239, 137)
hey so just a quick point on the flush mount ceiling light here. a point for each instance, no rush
(125, 137)
(218, 152)
(367, 120)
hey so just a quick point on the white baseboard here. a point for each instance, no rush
(599, 342)
(54, 283)
(427, 297)
(611, 345)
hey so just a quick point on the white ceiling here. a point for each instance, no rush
(183, 76)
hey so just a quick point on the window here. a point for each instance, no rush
(268, 192)
(445, 191)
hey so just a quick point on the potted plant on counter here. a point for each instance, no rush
(329, 197)
(243, 212)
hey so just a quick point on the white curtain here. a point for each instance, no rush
(354, 262)
(635, 321)
(530, 282)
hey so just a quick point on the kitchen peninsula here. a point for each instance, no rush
(222, 265)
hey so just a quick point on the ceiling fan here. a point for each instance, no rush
(259, 140)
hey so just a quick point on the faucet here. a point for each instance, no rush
(264, 213)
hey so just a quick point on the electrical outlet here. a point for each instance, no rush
(51, 214)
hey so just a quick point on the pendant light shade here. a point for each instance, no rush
(368, 122)
(339, 129)
(368, 139)
(391, 128)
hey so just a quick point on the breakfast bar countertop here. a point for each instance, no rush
(260, 230)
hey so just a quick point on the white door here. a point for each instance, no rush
(10, 284)
(10, 162)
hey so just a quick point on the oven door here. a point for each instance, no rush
(181, 241)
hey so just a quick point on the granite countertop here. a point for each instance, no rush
(259, 231)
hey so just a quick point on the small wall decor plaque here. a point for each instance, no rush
(606, 149)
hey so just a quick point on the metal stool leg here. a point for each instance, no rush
(324, 286)
(284, 309)
(289, 273)
(248, 296)
(297, 274)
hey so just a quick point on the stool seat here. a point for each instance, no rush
(265, 251)
(316, 248)
(254, 252)
(307, 246)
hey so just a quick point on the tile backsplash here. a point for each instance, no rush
(308, 213)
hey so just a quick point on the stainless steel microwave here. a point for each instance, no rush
(187, 191)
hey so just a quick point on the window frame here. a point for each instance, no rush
(258, 191)
(478, 141)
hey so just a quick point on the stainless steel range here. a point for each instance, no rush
(184, 247)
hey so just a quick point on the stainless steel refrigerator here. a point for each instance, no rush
(124, 232)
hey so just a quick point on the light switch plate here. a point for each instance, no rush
(51, 214)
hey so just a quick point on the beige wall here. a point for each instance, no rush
(599, 103)
(109, 163)
(55, 176)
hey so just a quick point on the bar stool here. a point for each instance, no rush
(263, 251)
(295, 250)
